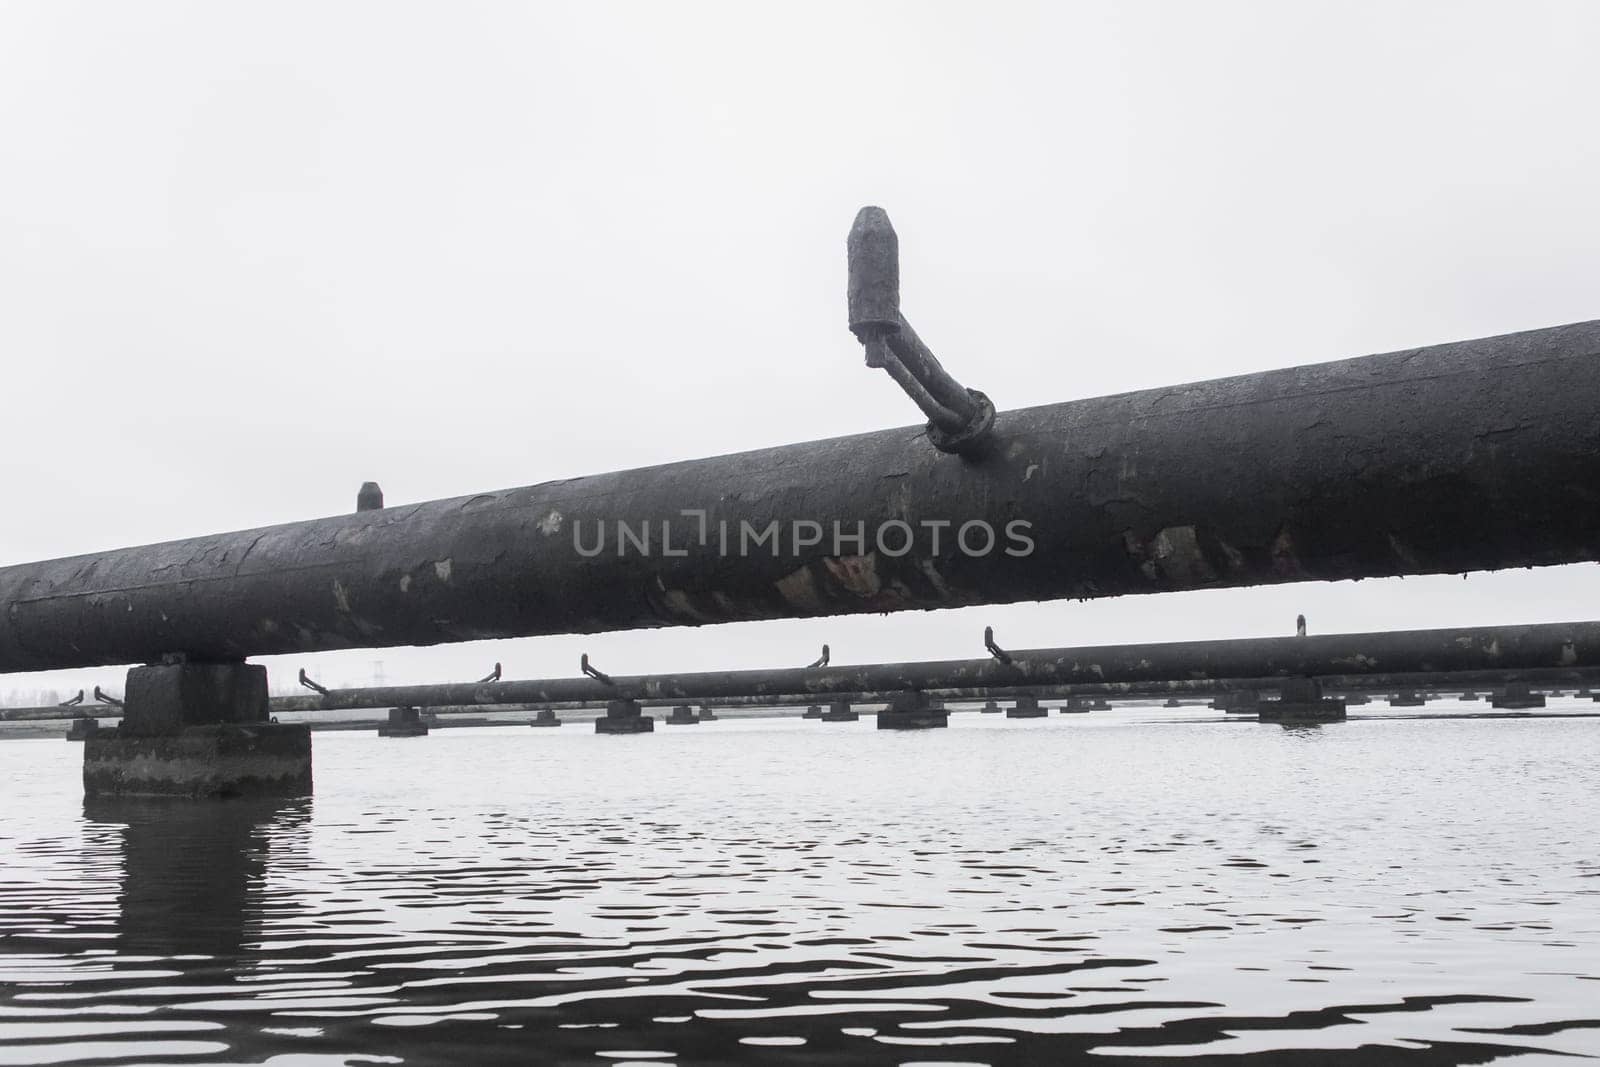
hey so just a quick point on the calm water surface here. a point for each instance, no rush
(1135, 885)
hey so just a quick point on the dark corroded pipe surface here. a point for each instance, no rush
(60, 711)
(1559, 647)
(1469, 456)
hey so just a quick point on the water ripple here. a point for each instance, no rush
(1384, 892)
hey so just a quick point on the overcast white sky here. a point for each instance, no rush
(254, 254)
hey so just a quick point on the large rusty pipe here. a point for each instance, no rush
(433, 697)
(1470, 456)
(1558, 651)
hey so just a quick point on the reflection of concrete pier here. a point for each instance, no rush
(912, 710)
(624, 717)
(404, 722)
(1517, 697)
(193, 875)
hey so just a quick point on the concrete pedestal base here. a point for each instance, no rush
(707, 715)
(545, 718)
(813, 712)
(683, 716)
(991, 708)
(1517, 697)
(1352, 700)
(82, 729)
(197, 730)
(218, 760)
(839, 711)
(624, 717)
(1301, 700)
(1027, 708)
(912, 711)
(404, 722)
(1243, 702)
(1407, 700)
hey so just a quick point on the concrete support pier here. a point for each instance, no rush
(546, 717)
(1086, 704)
(624, 717)
(1407, 698)
(83, 729)
(197, 730)
(1352, 700)
(912, 710)
(1469, 696)
(813, 712)
(707, 715)
(1301, 700)
(991, 708)
(1241, 702)
(1027, 707)
(404, 722)
(683, 715)
(840, 711)
(1517, 697)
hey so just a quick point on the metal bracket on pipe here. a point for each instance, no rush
(822, 660)
(600, 676)
(492, 676)
(369, 497)
(106, 698)
(960, 420)
(74, 702)
(309, 684)
(995, 650)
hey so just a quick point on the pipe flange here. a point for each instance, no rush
(971, 437)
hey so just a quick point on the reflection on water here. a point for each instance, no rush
(1133, 885)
